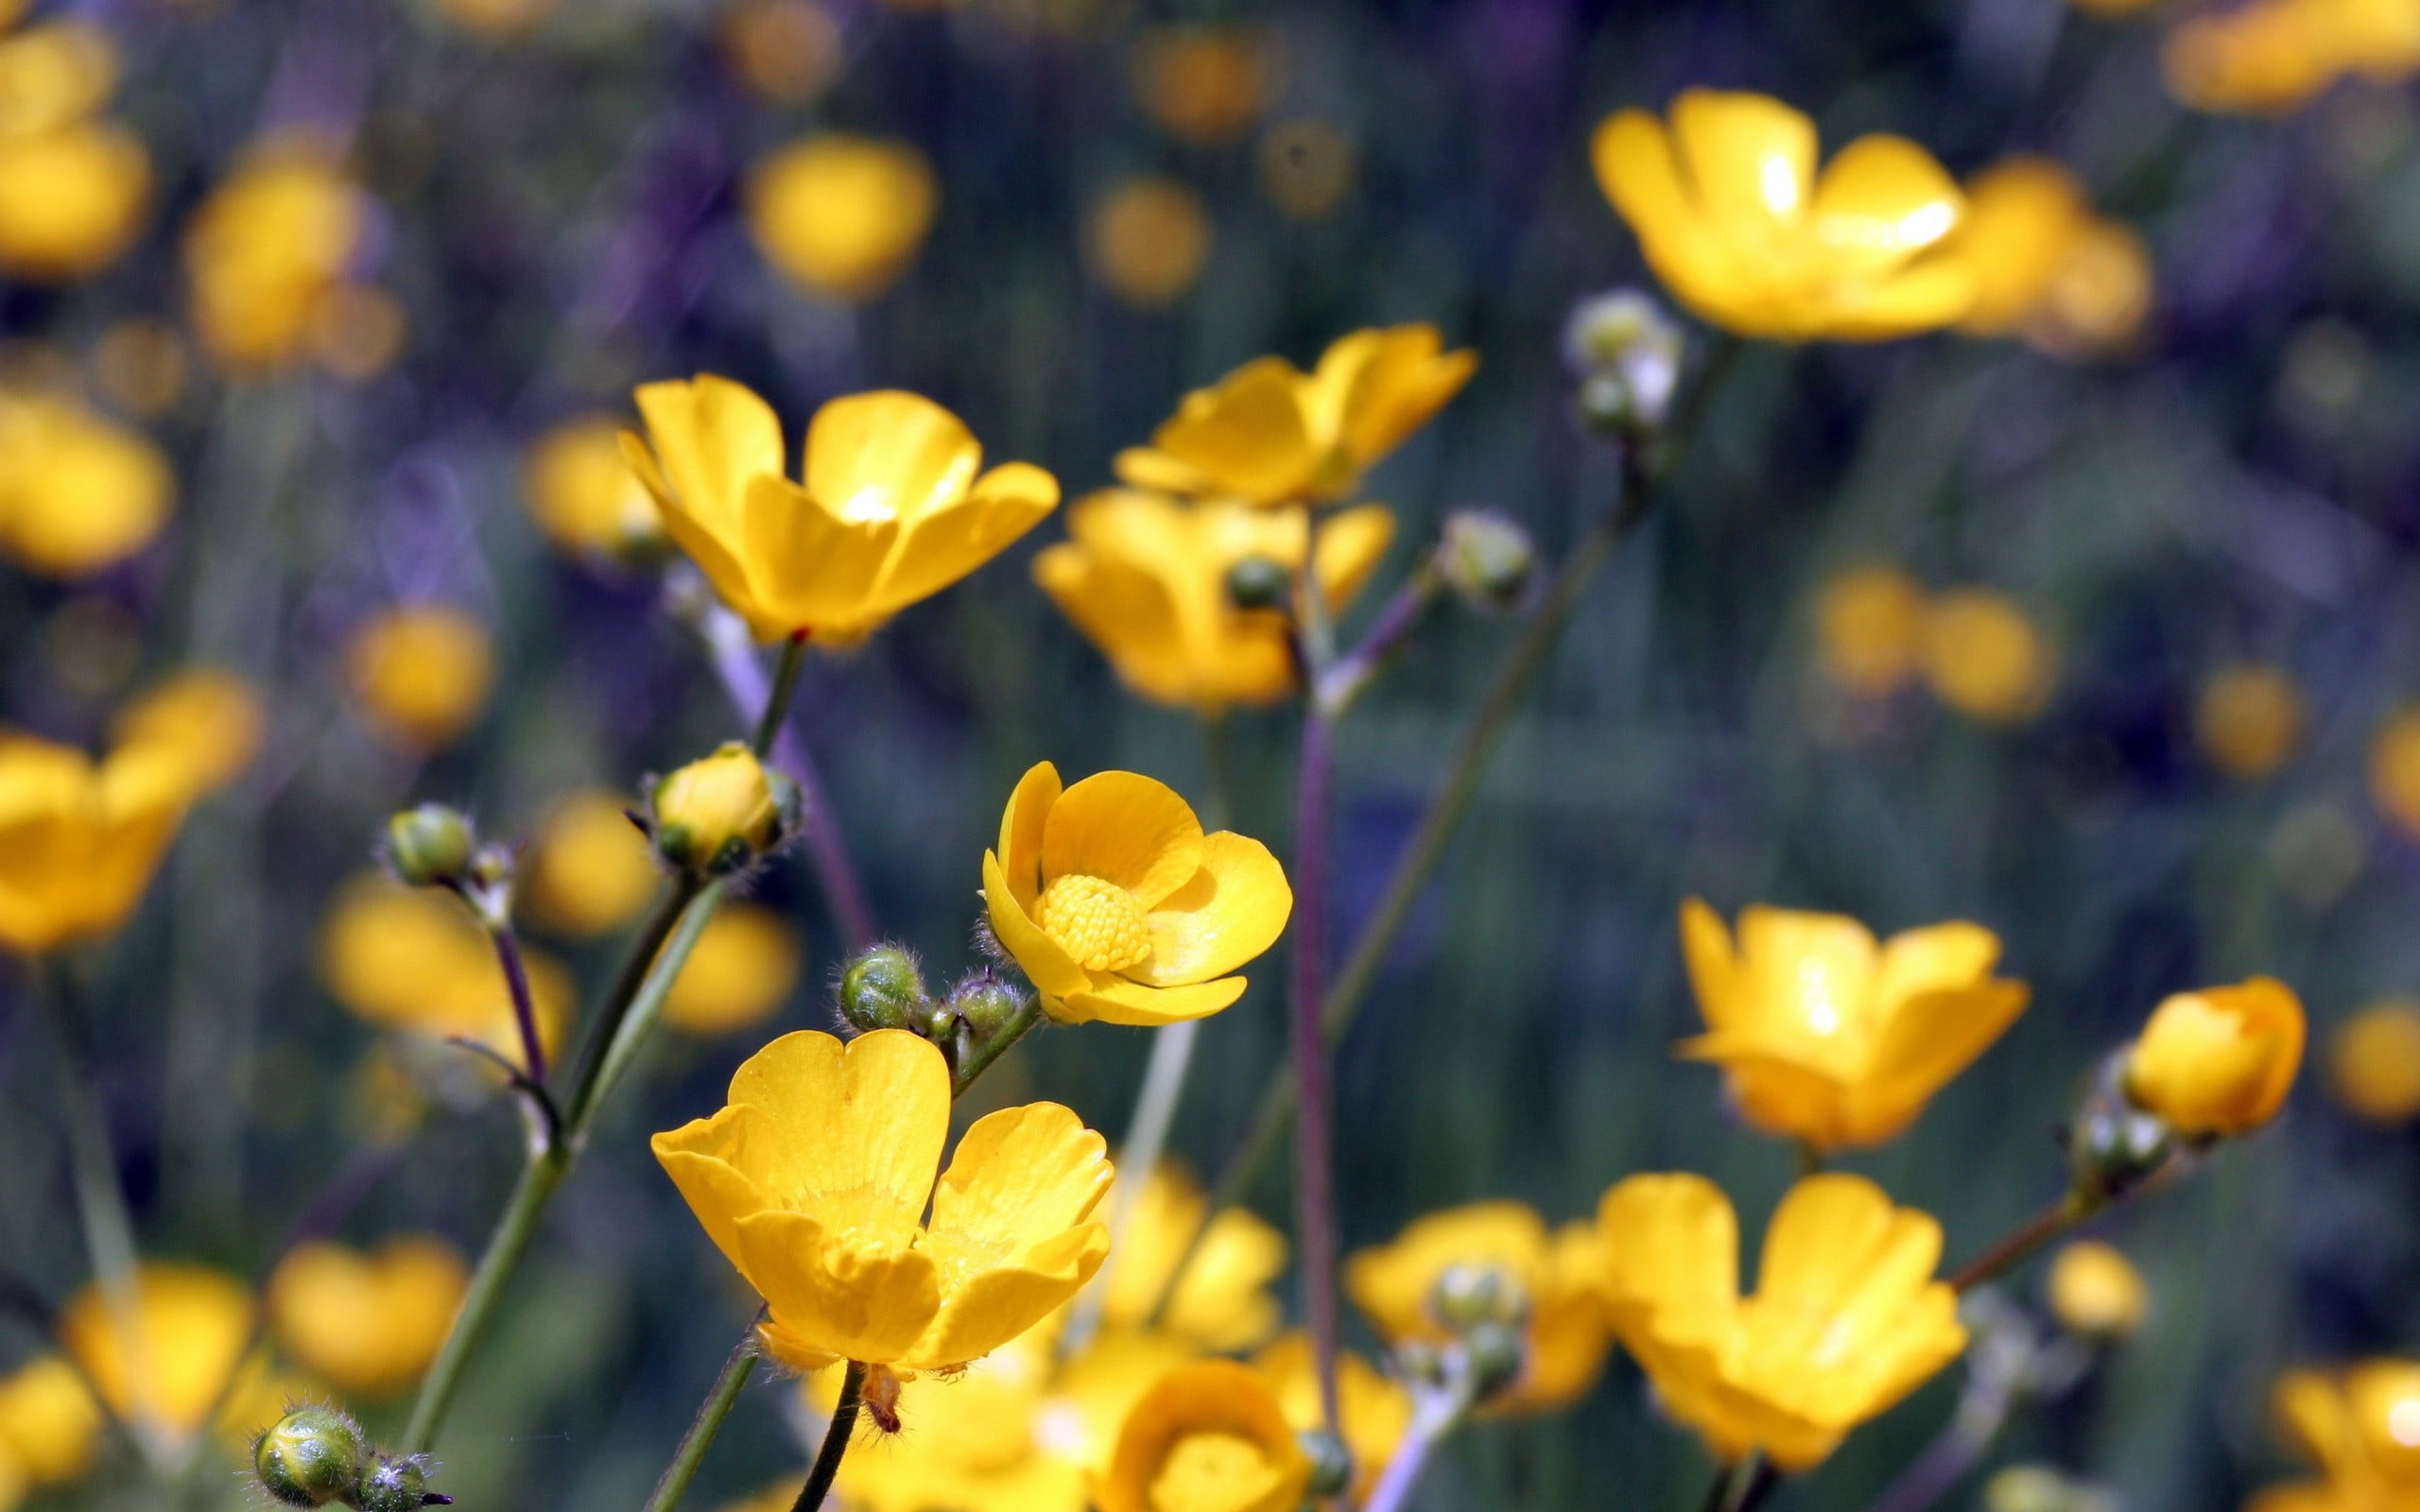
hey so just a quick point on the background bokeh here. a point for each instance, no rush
(557, 207)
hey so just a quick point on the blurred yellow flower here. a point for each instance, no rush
(2095, 1291)
(589, 869)
(139, 365)
(405, 958)
(2249, 721)
(1732, 216)
(1119, 908)
(356, 332)
(1223, 1302)
(1566, 1339)
(421, 673)
(1827, 1038)
(1846, 1318)
(813, 1179)
(1985, 657)
(2356, 1425)
(2374, 1062)
(843, 215)
(783, 51)
(582, 491)
(496, 20)
(717, 808)
(192, 1326)
(1148, 239)
(741, 969)
(269, 244)
(80, 839)
(891, 508)
(2270, 57)
(2395, 768)
(1144, 577)
(369, 1322)
(210, 719)
(1305, 166)
(53, 74)
(72, 189)
(48, 1421)
(2099, 297)
(77, 492)
(1273, 435)
(1376, 1411)
(1203, 85)
(1208, 1437)
(2048, 267)
(2220, 1061)
(1869, 629)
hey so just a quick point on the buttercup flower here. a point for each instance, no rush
(1223, 1302)
(48, 1422)
(2274, 56)
(2220, 1061)
(1869, 629)
(80, 839)
(1846, 1318)
(1144, 577)
(582, 491)
(841, 215)
(72, 188)
(2374, 1062)
(891, 510)
(1209, 1437)
(77, 492)
(422, 673)
(742, 967)
(589, 868)
(1827, 1038)
(191, 1326)
(2095, 1291)
(1119, 908)
(2044, 264)
(210, 719)
(813, 1179)
(1270, 434)
(1147, 240)
(2249, 721)
(1985, 657)
(719, 810)
(1566, 1344)
(413, 960)
(265, 248)
(1204, 84)
(367, 1322)
(1376, 1411)
(1731, 215)
(783, 51)
(2356, 1427)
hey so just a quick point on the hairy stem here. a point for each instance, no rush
(836, 1441)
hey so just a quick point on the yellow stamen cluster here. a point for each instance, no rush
(1101, 924)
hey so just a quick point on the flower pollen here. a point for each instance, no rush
(1100, 924)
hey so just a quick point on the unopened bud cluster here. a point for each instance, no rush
(2114, 1144)
(1485, 559)
(1626, 354)
(883, 987)
(435, 846)
(1260, 583)
(1484, 1313)
(314, 1456)
(722, 813)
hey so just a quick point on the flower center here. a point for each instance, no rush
(1099, 922)
(1213, 1472)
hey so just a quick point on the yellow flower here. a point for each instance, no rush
(1827, 1038)
(1208, 1437)
(891, 508)
(212, 719)
(369, 1322)
(715, 808)
(1376, 1411)
(1985, 657)
(2099, 299)
(813, 1179)
(583, 492)
(2023, 216)
(1731, 215)
(2220, 1061)
(405, 958)
(1567, 1340)
(843, 215)
(2249, 721)
(80, 839)
(422, 673)
(1144, 577)
(1273, 435)
(1305, 166)
(2095, 1291)
(783, 51)
(191, 1328)
(2395, 768)
(1204, 84)
(1869, 629)
(741, 969)
(2374, 1062)
(48, 1421)
(1147, 240)
(1119, 908)
(72, 189)
(1846, 1318)
(77, 492)
(262, 251)
(1223, 1301)
(589, 869)
(2274, 56)
(2357, 1427)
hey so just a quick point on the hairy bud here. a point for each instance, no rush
(722, 812)
(2113, 1145)
(1626, 354)
(1497, 1354)
(1331, 1462)
(399, 1485)
(883, 989)
(1485, 559)
(310, 1457)
(431, 845)
(987, 1004)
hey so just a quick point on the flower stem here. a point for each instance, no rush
(702, 1429)
(2024, 1240)
(1953, 1452)
(1314, 1136)
(836, 1441)
(777, 700)
(993, 1048)
(1432, 1419)
(1138, 1155)
(525, 1011)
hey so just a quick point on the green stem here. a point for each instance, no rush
(1138, 1155)
(2024, 1240)
(993, 1048)
(777, 703)
(702, 1429)
(836, 1440)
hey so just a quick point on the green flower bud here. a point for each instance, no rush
(883, 989)
(2113, 1147)
(1259, 582)
(1497, 1354)
(310, 1457)
(1627, 355)
(1331, 1462)
(722, 811)
(1485, 559)
(431, 845)
(1466, 1295)
(987, 1002)
(399, 1485)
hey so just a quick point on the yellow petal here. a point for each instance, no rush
(1021, 1176)
(1635, 167)
(806, 566)
(1206, 1400)
(1835, 1241)
(1748, 159)
(699, 1158)
(1021, 826)
(1126, 828)
(834, 1292)
(888, 456)
(1882, 200)
(1392, 1283)
(1144, 467)
(1232, 910)
(1131, 1002)
(1672, 1250)
(1405, 379)
(1928, 1041)
(1248, 434)
(868, 1118)
(1807, 974)
(1127, 613)
(945, 544)
(712, 437)
(987, 1306)
(1036, 953)
(1714, 971)
(1929, 292)
(1351, 543)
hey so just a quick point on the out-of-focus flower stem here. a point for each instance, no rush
(1955, 1451)
(1433, 1416)
(1138, 1155)
(777, 700)
(836, 1440)
(2024, 1240)
(525, 1011)
(691, 1452)
(1314, 1137)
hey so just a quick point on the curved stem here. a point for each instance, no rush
(2024, 1240)
(525, 1010)
(1314, 1139)
(702, 1429)
(836, 1441)
(1432, 1421)
(993, 1048)
(777, 700)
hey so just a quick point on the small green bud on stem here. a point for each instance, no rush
(431, 845)
(1331, 1462)
(2113, 1145)
(1258, 583)
(986, 1004)
(1486, 560)
(399, 1485)
(883, 989)
(310, 1457)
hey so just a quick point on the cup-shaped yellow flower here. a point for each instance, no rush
(582, 493)
(1375, 1408)
(263, 251)
(1209, 1437)
(1566, 1339)
(77, 492)
(2356, 1426)
(741, 969)
(2220, 1060)
(2374, 1062)
(422, 673)
(987, 1440)
(1869, 629)
(589, 869)
(2095, 1291)
(719, 808)
(1845, 1321)
(71, 198)
(367, 1322)
(891, 507)
(2023, 217)
(186, 1341)
(80, 839)
(1222, 1300)
(2275, 55)
(843, 215)
(48, 1422)
(1827, 1038)
(814, 1179)
(1270, 434)
(209, 717)
(1730, 212)
(1118, 906)
(1144, 577)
